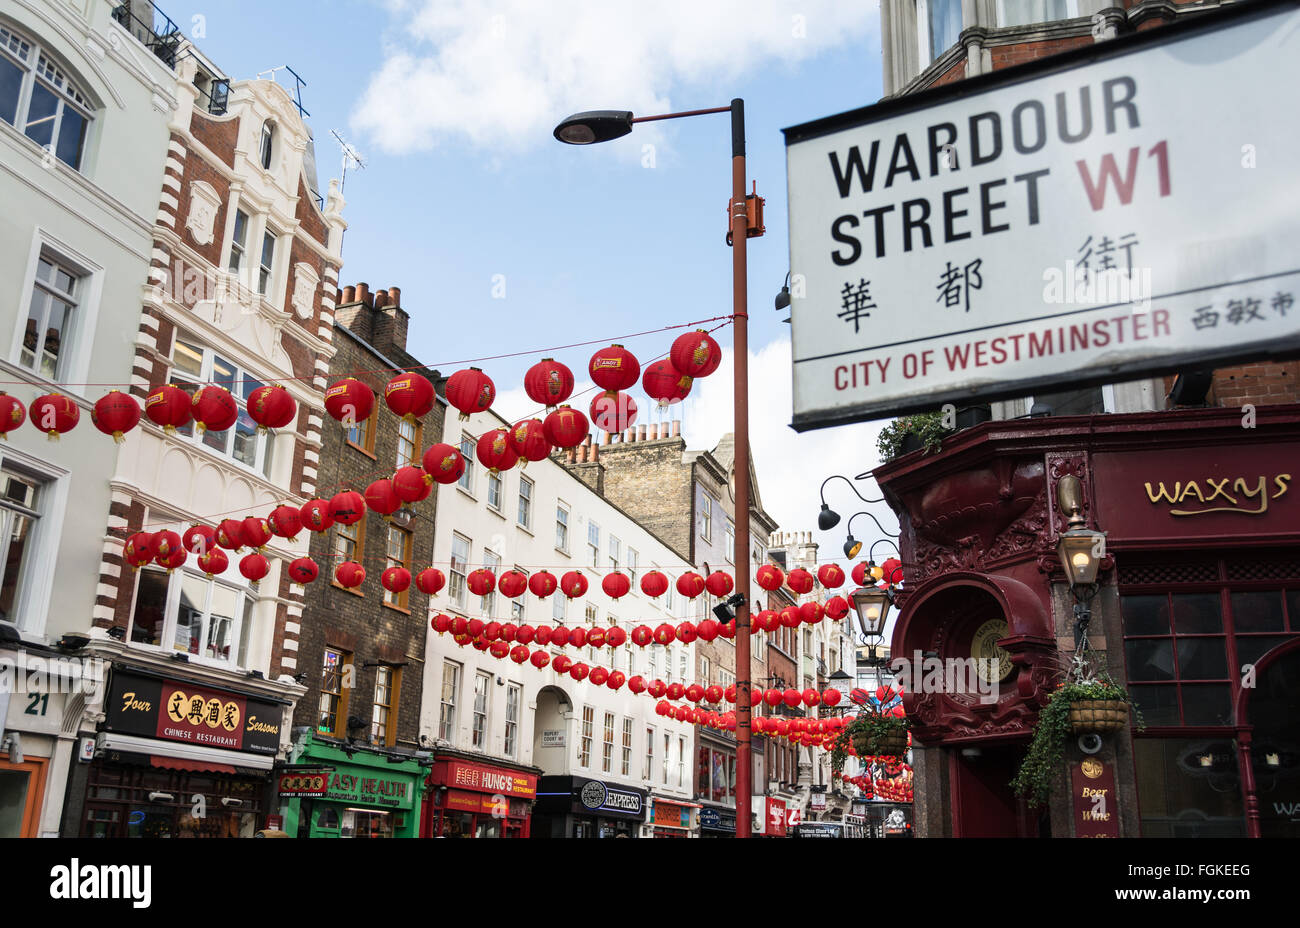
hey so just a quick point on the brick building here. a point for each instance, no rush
(361, 650)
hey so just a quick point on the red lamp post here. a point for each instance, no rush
(602, 126)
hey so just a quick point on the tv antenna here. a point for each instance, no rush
(351, 157)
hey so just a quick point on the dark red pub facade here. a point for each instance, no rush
(1198, 614)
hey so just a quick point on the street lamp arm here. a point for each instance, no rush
(716, 109)
(863, 512)
(846, 479)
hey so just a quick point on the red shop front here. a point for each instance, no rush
(472, 799)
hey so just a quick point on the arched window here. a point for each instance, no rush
(268, 139)
(40, 99)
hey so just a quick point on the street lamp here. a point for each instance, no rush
(851, 545)
(602, 126)
(872, 605)
(1081, 551)
(828, 518)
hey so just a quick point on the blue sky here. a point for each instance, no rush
(451, 103)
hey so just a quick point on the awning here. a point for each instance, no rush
(155, 748)
(198, 766)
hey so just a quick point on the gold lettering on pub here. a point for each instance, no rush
(1249, 496)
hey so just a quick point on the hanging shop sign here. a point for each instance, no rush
(305, 784)
(490, 779)
(176, 710)
(1096, 806)
(1110, 213)
(361, 786)
(604, 799)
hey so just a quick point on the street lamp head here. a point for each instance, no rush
(1081, 551)
(594, 126)
(783, 298)
(828, 518)
(872, 604)
(851, 546)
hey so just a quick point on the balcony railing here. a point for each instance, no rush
(151, 27)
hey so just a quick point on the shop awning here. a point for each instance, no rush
(199, 766)
(171, 752)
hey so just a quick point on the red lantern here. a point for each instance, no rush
(285, 521)
(811, 697)
(255, 531)
(492, 631)
(494, 451)
(832, 697)
(800, 580)
(410, 395)
(713, 694)
(499, 649)
(599, 675)
(690, 584)
(115, 413)
(665, 634)
(729, 629)
(694, 692)
(773, 698)
(199, 539)
(395, 579)
(382, 498)
(681, 713)
(519, 654)
(412, 484)
(470, 391)
(676, 691)
(303, 570)
(892, 571)
(769, 577)
(579, 671)
(168, 407)
(566, 427)
(349, 401)
(686, 633)
(758, 723)
(616, 585)
(811, 613)
(12, 414)
(695, 354)
(528, 440)
(271, 407)
(481, 582)
(459, 625)
(213, 561)
(837, 607)
(214, 409)
(708, 629)
(719, 584)
(443, 463)
(615, 637)
(430, 581)
(525, 634)
(664, 383)
(230, 534)
(613, 412)
(654, 584)
(348, 507)
(596, 638)
(542, 584)
(316, 515)
(512, 583)
(831, 576)
(636, 684)
(350, 574)
(790, 617)
(509, 631)
(55, 413)
(767, 620)
(164, 545)
(573, 584)
(254, 567)
(860, 574)
(548, 382)
(656, 689)
(792, 697)
(642, 636)
(577, 636)
(561, 664)
(614, 368)
(559, 637)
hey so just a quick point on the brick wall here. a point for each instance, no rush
(217, 135)
(649, 482)
(1260, 383)
(1004, 56)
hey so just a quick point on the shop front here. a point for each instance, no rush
(468, 798)
(672, 818)
(338, 790)
(772, 817)
(579, 807)
(177, 759)
(717, 822)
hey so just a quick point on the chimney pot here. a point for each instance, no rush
(640, 433)
(654, 431)
(677, 428)
(582, 453)
(349, 295)
(595, 453)
(395, 296)
(363, 294)
(381, 299)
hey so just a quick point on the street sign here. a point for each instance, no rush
(1116, 211)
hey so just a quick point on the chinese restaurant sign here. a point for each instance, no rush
(491, 779)
(1096, 807)
(178, 711)
(1114, 212)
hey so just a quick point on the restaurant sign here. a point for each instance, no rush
(491, 779)
(596, 796)
(1096, 807)
(182, 711)
(1100, 215)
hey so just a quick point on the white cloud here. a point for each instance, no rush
(502, 73)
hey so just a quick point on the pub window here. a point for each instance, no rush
(383, 719)
(335, 674)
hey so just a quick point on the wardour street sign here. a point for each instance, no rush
(1120, 210)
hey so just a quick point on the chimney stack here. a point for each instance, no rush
(677, 428)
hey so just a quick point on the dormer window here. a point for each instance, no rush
(268, 140)
(39, 98)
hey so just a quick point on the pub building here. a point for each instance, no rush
(468, 797)
(580, 807)
(1196, 608)
(175, 758)
(348, 789)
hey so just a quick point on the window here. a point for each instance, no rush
(615, 552)
(482, 684)
(652, 661)
(50, 317)
(592, 617)
(335, 672)
(189, 613)
(584, 745)
(706, 516)
(525, 516)
(1085, 402)
(398, 555)
(194, 365)
(684, 664)
(517, 605)
(558, 603)
(268, 139)
(648, 770)
(57, 113)
(1025, 12)
(488, 603)
(19, 511)
(514, 695)
(562, 527)
(447, 715)
(681, 760)
(668, 742)
(383, 717)
(458, 569)
(632, 558)
(466, 481)
(731, 542)
(349, 541)
(267, 266)
(593, 543)
(627, 747)
(409, 437)
(362, 435)
(237, 239)
(704, 671)
(607, 746)
(494, 491)
(938, 25)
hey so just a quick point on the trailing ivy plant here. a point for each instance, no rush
(1045, 758)
(927, 426)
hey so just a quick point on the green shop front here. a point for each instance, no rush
(338, 790)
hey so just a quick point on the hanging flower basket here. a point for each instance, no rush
(1099, 716)
(880, 740)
